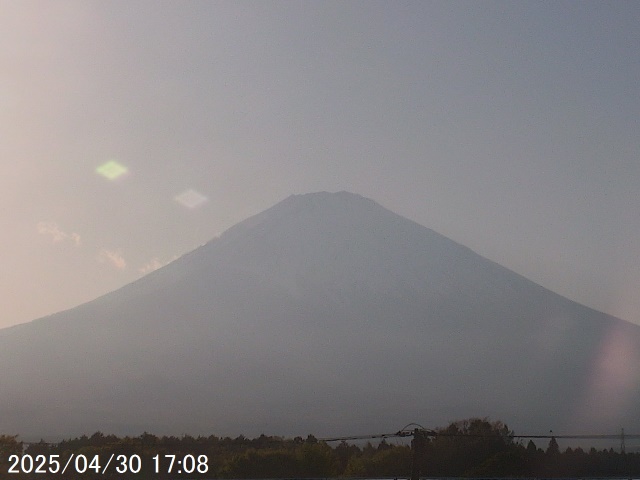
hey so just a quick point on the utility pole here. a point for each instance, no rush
(622, 446)
(417, 448)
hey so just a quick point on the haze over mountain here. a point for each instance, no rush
(327, 314)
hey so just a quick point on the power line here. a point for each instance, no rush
(406, 431)
(419, 434)
(433, 433)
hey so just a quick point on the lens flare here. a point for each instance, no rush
(191, 199)
(111, 170)
(614, 378)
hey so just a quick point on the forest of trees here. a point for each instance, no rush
(467, 448)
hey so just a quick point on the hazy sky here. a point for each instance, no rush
(510, 127)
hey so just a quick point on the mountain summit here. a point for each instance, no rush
(328, 314)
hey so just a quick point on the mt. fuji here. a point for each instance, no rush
(324, 314)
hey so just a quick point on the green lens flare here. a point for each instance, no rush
(111, 170)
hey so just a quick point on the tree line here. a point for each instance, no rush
(474, 447)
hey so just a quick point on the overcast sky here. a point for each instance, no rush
(511, 127)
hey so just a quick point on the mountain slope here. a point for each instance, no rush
(329, 314)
